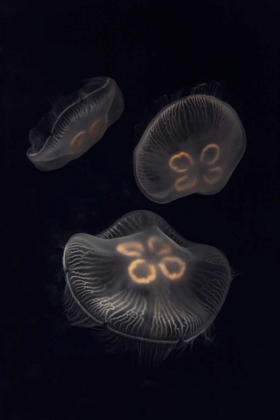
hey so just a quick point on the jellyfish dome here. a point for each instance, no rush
(144, 283)
(193, 145)
(75, 124)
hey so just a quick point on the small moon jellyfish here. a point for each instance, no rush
(144, 285)
(75, 124)
(192, 145)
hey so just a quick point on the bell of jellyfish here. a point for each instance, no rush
(75, 124)
(193, 145)
(144, 284)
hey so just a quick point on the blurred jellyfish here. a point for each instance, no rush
(193, 145)
(144, 284)
(75, 124)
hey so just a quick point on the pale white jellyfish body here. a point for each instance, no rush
(75, 124)
(142, 281)
(193, 145)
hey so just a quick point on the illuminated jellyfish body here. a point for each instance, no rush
(144, 284)
(192, 146)
(75, 124)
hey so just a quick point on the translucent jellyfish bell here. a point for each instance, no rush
(75, 124)
(144, 283)
(193, 145)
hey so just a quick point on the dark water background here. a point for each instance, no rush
(49, 371)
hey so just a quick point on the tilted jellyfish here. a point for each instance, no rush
(75, 124)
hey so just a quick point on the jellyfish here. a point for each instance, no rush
(144, 284)
(75, 124)
(192, 145)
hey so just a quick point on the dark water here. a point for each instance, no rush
(50, 371)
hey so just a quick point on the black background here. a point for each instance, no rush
(50, 371)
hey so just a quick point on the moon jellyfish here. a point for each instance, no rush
(144, 284)
(75, 124)
(193, 145)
